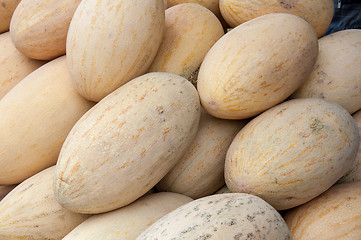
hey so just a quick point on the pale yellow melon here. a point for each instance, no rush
(126, 143)
(355, 173)
(336, 75)
(7, 8)
(128, 222)
(14, 66)
(36, 116)
(293, 152)
(200, 172)
(220, 216)
(39, 27)
(112, 42)
(256, 65)
(190, 31)
(212, 5)
(318, 13)
(334, 215)
(30, 211)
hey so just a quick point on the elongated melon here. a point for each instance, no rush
(7, 8)
(39, 27)
(36, 116)
(256, 66)
(112, 42)
(30, 211)
(128, 222)
(221, 216)
(126, 143)
(293, 152)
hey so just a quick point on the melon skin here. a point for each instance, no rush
(36, 116)
(14, 66)
(354, 174)
(128, 222)
(190, 31)
(200, 172)
(256, 65)
(30, 211)
(132, 137)
(7, 9)
(318, 13)
(222, 216)
(110, 43)
(336, 75)
(212, 5)
(39, 28)
(293, 152)
(335, 214)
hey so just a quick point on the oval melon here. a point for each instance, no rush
(132, 137)
(293, 152)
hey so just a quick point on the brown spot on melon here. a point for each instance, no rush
(288, 4)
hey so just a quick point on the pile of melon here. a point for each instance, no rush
(178, 119)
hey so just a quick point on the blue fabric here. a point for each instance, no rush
(347, 15)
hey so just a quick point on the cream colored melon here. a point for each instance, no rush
(5, 189)
(30, 211)
(355, 173)
(223, 216)
(190, 31)
(336, 214)
(7, 8)
(14, 66)
(212, 5)
(318, 13)
(125, 144)
(293, 152)
(336, 75)
(39, 27)
(200, 172)
(36, 116)
(256, 66)
(112, 42)
(128, 222)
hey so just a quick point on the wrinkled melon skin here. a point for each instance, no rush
(126, 143)
(335, 214)
(318, 13)
(256, 65)
(293, 152)
(223, 216)
(111, 42)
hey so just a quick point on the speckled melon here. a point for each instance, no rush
(200, 172)
(190, 31)
(7, 8)
(293, 152)
(127, 143)
(256, 65)
(355, 173)
(14, 66)
(39, 27)
(30, 211)
(336, 75)
(36, 116)
(128, 222)
(223, 216)
(318, 13)
(112, 42)
(335, 214)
